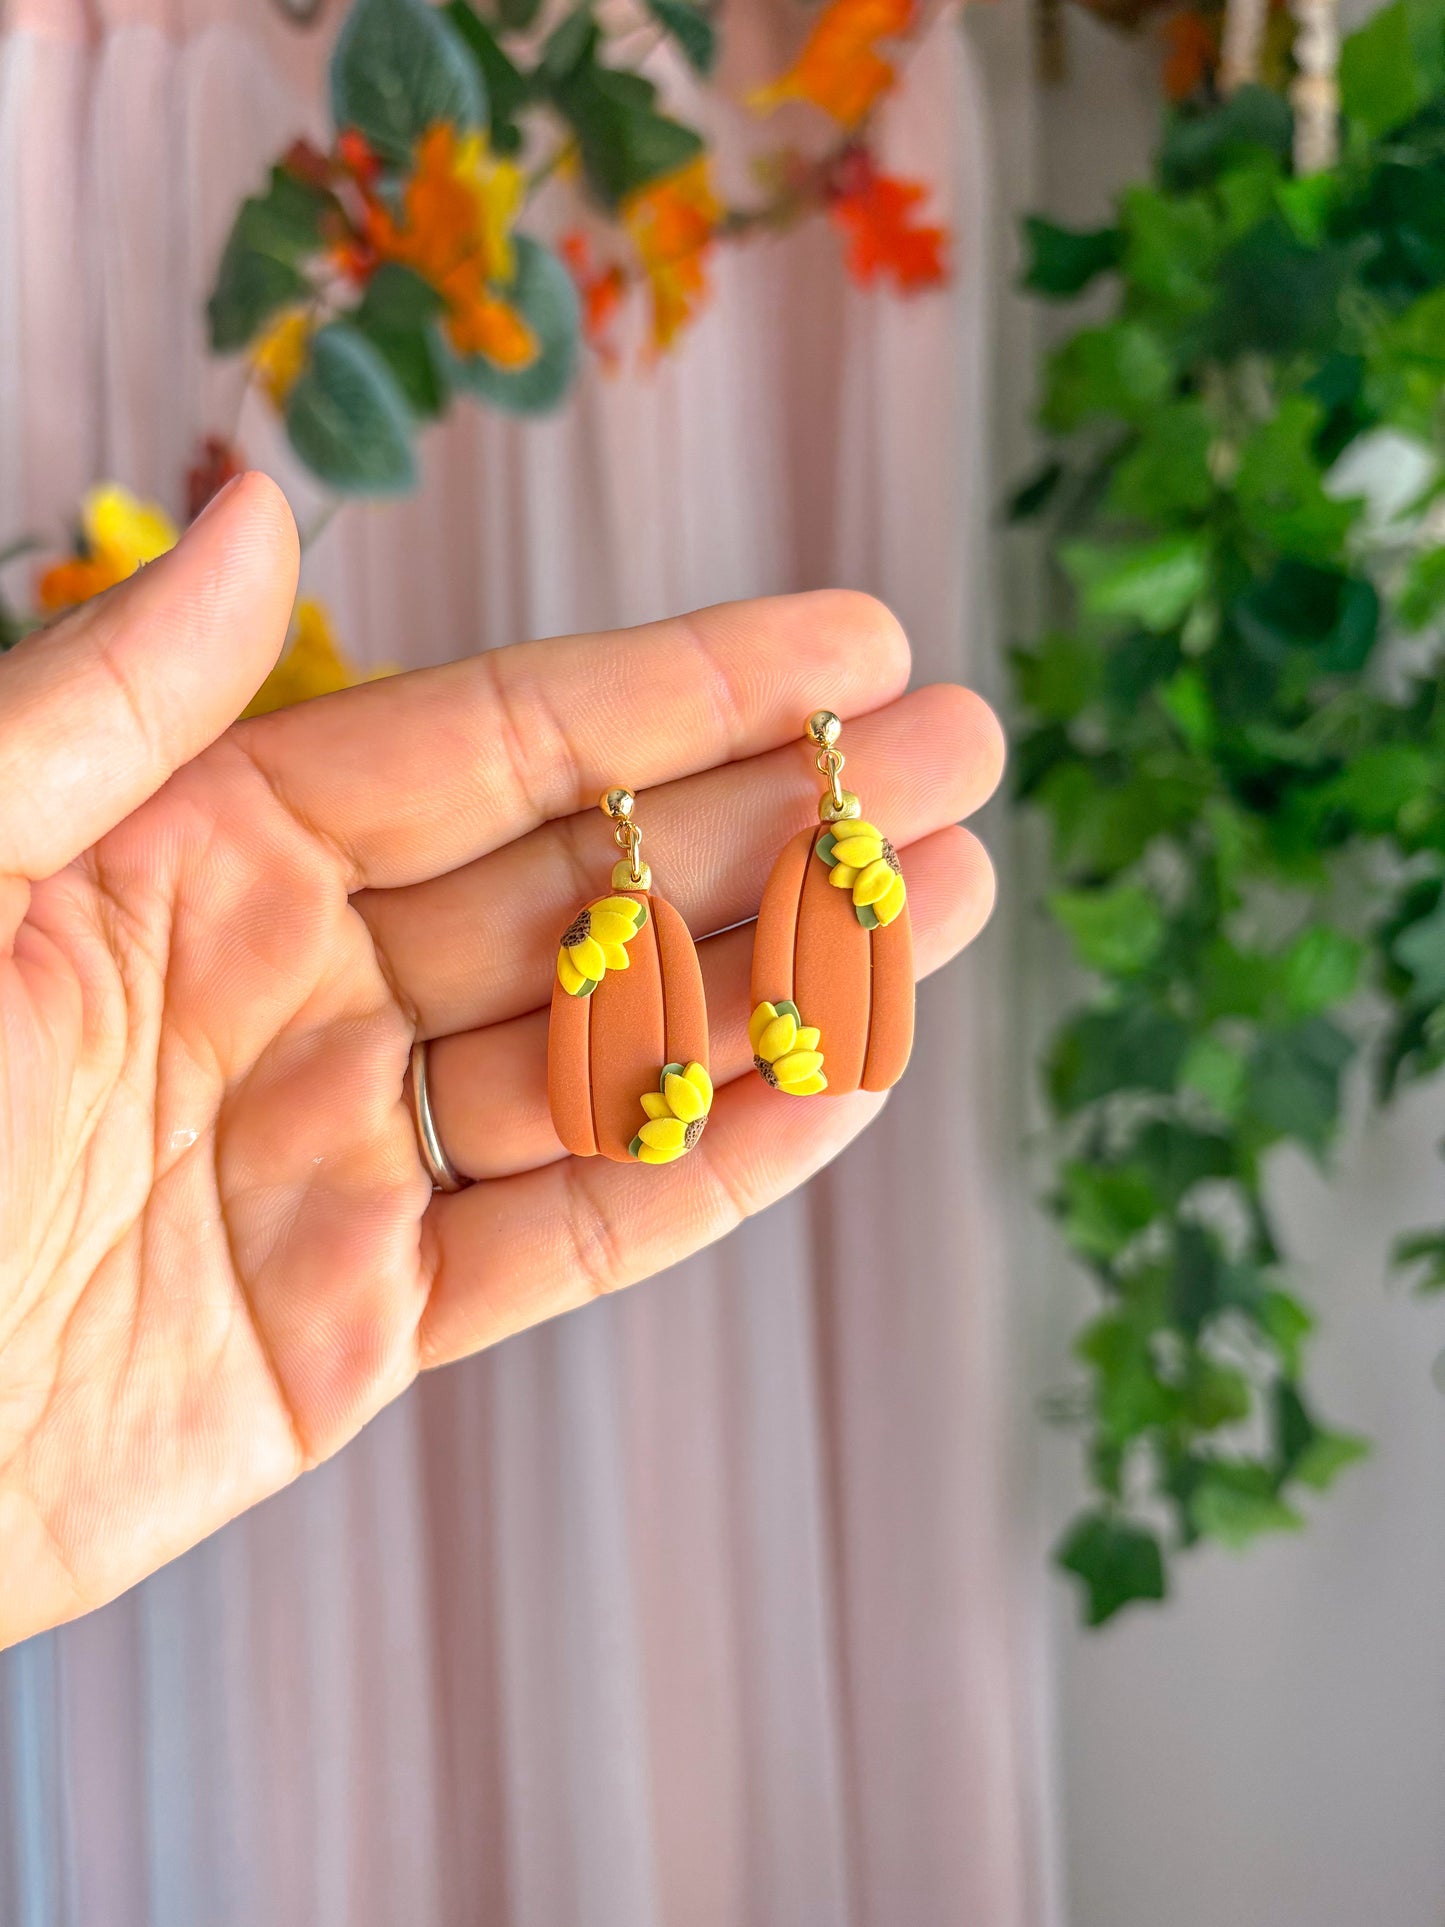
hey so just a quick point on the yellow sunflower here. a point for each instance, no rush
(785, 1050)
(677, 1114)
(864, 861)
(596, 941)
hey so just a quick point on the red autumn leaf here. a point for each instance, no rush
(600, 291)
(875, 215)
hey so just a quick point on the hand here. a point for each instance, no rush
(219, 1255)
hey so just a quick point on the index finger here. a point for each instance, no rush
(413, 776)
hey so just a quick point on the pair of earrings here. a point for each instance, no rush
(832, 984)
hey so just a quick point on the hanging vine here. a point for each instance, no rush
(1237, 733)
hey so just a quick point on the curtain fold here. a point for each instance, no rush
(695, 1609)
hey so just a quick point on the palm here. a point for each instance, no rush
(219, 1255)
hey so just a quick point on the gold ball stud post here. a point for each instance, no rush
(618, 805)
(824, 728)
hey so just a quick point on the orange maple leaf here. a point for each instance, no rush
(840, 68)
(874, 213)
(672, 224)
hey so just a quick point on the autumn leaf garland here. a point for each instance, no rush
(371, 283)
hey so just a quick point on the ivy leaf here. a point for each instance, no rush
(262, 266)
(1153, 582)
(348, 419)
(1392, 66)
(692, 28)
(1294, 1081)
(1234, 1502)
(1122, 370)
(506, 88)
(1420, 950)
(1137, 1048)
(1423, 1251)
(1166, 473)
(1118, 1563)
(545, 295)
(1199, 146)
(1280, 486)
(399, 68)
(396, 314)
(1117, 932)
(1321, 968)
(1104, 1210)
(1059, 678)
(1287, 1324)
(1063, 261)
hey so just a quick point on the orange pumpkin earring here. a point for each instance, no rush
(627, 1074)
(832, 988)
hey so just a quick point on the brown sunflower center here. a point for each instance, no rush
(693, 1132)
(766, 1071)
(890, 857)
(577, 929)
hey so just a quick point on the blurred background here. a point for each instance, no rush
(738, 1599)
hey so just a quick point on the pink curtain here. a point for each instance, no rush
(701, 1607)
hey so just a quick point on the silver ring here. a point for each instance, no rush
(439, 1167)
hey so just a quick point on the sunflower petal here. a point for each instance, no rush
(758, 1023)
(570, 977)
(842, 877)
(852, 831)
(616, 955)
(695, 1074)
(874, 883)
(587, 955)
(798, 1065)
(628, 908)
(655, 1104)
(807, 1038)
(664, 1134)
(608, 927)
(860, 851)
(647, 1154)
(806, 1086)
(777, 1040)
(685, 1099)
(891, 902)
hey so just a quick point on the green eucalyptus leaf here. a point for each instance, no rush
(691, 26)
(397, 69)
(507, 89)
(262, 269)
(625, 143)
(348, 419)
(545, 296)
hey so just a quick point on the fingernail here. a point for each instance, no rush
(219, 496)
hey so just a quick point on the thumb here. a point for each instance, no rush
(98, 711)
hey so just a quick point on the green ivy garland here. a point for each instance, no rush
(1238, 737)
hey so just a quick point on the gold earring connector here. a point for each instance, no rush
(632, 873)
(836, 805)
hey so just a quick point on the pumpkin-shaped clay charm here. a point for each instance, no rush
(832, 988)
(627, 1048)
